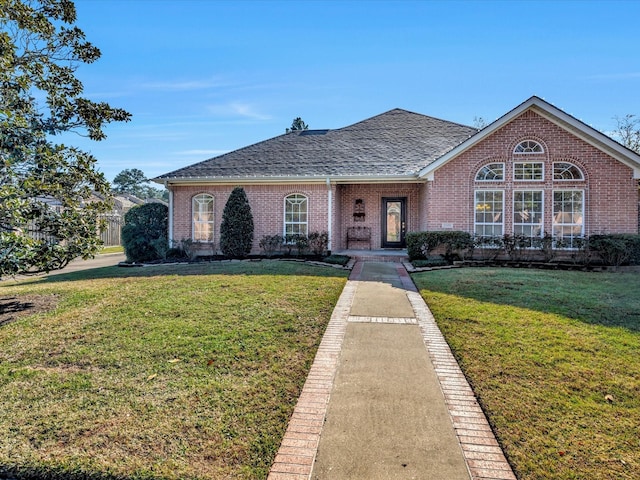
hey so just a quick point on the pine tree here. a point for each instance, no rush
(236, 231)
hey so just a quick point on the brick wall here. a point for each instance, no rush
(372, 196)
(267, 207)
(610, 195)
(447, 202)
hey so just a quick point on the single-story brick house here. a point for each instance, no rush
(534, 170)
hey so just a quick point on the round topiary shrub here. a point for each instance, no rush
(145, 231)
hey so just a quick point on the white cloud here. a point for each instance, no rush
(238, 109)
(187, 85)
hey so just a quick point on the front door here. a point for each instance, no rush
(393, 222)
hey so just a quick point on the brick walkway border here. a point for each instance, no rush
(297, 453)
(484, 456)
(296, 456)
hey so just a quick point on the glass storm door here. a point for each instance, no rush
(393, 222)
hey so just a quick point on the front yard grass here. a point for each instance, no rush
(113, 249)
(554, 360)
(168, 372)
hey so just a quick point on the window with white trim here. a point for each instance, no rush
(528, 146)
(492, 172)
(296, 208)
(568, 217)
(566, 171)
(202, 215)
(528, 208)
(528, 171)
(489, 213)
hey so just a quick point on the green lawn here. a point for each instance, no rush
(181, 372)
(114, 249)
(554, 358)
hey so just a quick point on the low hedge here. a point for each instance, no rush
(421, 244)
(607, 249)
(616, 249)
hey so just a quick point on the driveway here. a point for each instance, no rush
(105, 260)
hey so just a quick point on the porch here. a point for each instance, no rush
(380, 255)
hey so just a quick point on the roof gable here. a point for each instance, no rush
(557, 117)
(393, 145)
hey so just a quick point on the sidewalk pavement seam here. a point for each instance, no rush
(394, 320)
(295, 459)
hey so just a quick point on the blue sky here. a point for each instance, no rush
(203, 77)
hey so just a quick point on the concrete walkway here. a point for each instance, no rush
(99, 261)
(385, 399)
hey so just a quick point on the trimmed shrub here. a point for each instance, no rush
(176, 254)
(616, 249)
(487, 248)
(270, 244)
(546, 247)
(145, 232)
(434, 261)
(518, 247)
(421, 244)
(236, 230)
(300, 241)
(318, 242)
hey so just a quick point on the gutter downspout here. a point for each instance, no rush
(170, 237)
(330, 213)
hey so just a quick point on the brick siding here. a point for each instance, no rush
(447, 202)
(610, 196)
(267, 207)
(372, 196)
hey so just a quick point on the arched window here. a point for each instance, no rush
(528, 146)
(492, 172)
(566, 171)
(296, 209)
(202, 215)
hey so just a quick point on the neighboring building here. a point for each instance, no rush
(535, 170)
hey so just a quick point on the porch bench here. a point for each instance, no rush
(359, 234)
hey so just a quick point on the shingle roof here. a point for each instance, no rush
(395, 143)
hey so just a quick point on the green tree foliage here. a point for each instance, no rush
(236, 230)
(145, 232)
(133, 181)
(297, 124)
(48, 215)
(129, 181)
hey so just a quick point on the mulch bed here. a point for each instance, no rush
(13, 308)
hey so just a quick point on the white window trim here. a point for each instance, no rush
(502, 164)
(212, 221)
(513, 211)
(582, 179)
(284, 211)
(528, 153)
(528, 179)
(553, 213)
(476, 223)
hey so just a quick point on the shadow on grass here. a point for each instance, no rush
(261, 267)
(599, 298)
(53, 473)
